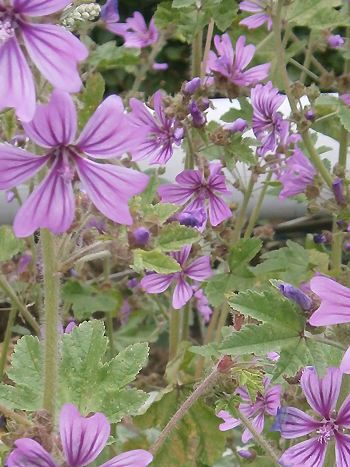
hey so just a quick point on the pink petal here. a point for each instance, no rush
(345, 363)
(258, 424)
(342, 449)
(190, 178)
(110, 187)
(29, 453)
(343, 418)
(182, 255)
(243, 53)
(172, 193)
(55, 123)
(159, 108)
(108, 132)
(16, 81)
(294, 423)
(229, 421)
(51, 205)
(56, 52)
(17, 165)
(83, 438)
(140, 114)
(218, 210)
(199, 270)
(156, 283)
(255, 74)
(39, 7)
(273, 400)
(135, 458)
(335, 302)
(309, 453)
(182, 294)
(321, 393)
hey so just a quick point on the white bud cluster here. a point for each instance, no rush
(83, 12)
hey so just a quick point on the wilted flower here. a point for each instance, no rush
(297, 174)
(296, 295)
(51, 205)
(321, 394)
(192, 185)
(335, 41)
(232, 64)
(82, 438)
(54, 50)
(258, 7)
(265, 404)
(159, 133)
(199, 270)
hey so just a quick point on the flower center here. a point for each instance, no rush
(326, 432)
(7, 29)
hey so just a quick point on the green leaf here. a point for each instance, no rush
(317, 14)
(223, 14)
(243, 252)
(10, 245)
(91, 97)
(174, 236)
(155, 260)
(344, 116)
(159, 213)
(183, 3)
(239, 150)
(108, 57)
(245, 111)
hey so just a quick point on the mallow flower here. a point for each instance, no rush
(82, 438)
(51, 205)
(296, 175)
(202, 192)
(158, 133)
(53, 50)
(259, 16)
(266, 403)
(198, 270)
(321, 395)
(232, 63)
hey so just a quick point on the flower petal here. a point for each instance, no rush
(108, 132)
(156, 283)
(39, 7)
(258, 424)
(54, 123)
(51, 205)
(345, 363)
(83, 438)
(17, 165)
(135, 458)
(172, 193)
(16, 81)
(309, 453)
(182, 255)
(273, 399)
(199, 270)
(321, 393)
(229, 421)
(292, 423)
(190, 178)
(335, 302)
(56, 52)
(218, 210)
(343, 418)
(29, 453)
(182, 294)
(342, 449)
(110, 187)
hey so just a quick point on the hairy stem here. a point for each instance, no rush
(174, 332)
(207, 47)
(256, 211)
(243, 211)
(7, 338)
(197, 47)
(51, 320)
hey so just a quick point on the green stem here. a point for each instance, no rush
(207, 47)
(343, 147)
(315, 159)
(304, 70)
(11, 294)
(243, 211)
(225, 310)
(265, 445)
(307, 62)
(7, 338)
(51, 320)
(197, 47)
(256, 211)
(189, 159)
(208, 338)
(174, 332)
(186, 314)
(337, 249)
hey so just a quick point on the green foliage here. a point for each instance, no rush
(245, 111)
(9, 244)
(86, 300)
(239, 150)
(174, 236)
(108, 56)
(316, 14)
(344, 116)
(155, 260)
(91, 97)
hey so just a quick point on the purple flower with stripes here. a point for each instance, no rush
(322, 395)
(232, 63)
(203, 192)
(82, 438)
(296, 175)
(259, 16)
(268, 124)
(198, 270)
(53, 50)
(51, 205)
(266, 403)
(158, 132)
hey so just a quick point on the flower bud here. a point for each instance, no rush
(310, 115)
(238, 125)
(337, 187)
(296, 295)
(141, 236)
(191, 86)
(320, 238)
(335, 41)
(195, 218)
(198, 118)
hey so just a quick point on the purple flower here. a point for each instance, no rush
(51, 204)
(319, 238)
(141, 236)
(266, 403)
(321, 394)
(232, 64)
(159, 132)
(335, 302)
(199, 270)
(160, 66)
(267, 123)
(273, 356)
(238, 125)
(192, 86)
(337, 187)
(110, 13)
(191, 184)
(198, 118)
(54, 51)
(335, 41)
(296, 295)
(135, 32)
(297, 174)
(258, 7)
(194, 218)
(70, 326)
(202, 304)
(82, 438)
